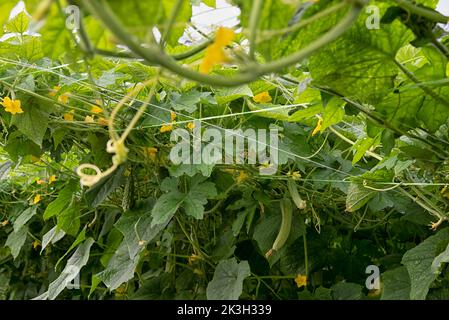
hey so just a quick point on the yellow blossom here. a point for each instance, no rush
(37, 199)
(96, 110)
(51, 179)
(54, 91)
(89, 119)
(36, 244)
(4, 223)
(166, 128)
(190, 126)
(224, 36)
(40, 182)
(318, 127)
(301, 281)
(263, 97)
(193, 258)
(215, 54)
(12, 106)
(69, 115)
(242, 177)
(63, 98)
(172, 116)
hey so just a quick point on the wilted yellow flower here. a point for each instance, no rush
(263, 97)
(12, 106)
(37, 199)
(190, 126)
(215, 54)
(151, 153)
(318, 127)
(69, 115)
(103, 122)
(4, 223)
(51, 179)
(89, 119)
(96, 110)
(166, 128)
(301, 281)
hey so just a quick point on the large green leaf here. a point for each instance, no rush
(16, 240)
(227, 283)
(33, 122)
(396, 284)
(63, 200)
(419, 260)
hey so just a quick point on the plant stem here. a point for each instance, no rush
(154, 55)
(253, 24)
(423, 12)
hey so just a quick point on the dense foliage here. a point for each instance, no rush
(91, 207)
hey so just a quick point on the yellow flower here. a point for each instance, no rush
(96, 110)
(40, 182)
(4, 223)
(172, 116)
(89, 119)
(263, 97)
(193, 258)
(166, 128)
(151, 153)
(37, 199)
(54, 91)
(69, 115)
(12, 106)
(224, 36)
(215, 54)
(318, 127)
(51, 179)
(63, 98)
(242, 177)
(36, 244)
(190, 126)
(301, 281)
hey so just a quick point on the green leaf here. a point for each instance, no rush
(347, 291)
(419, 260)
(18, 24)
(72, 269)
(439, 260)
(333, 113)
(33, 122)
(16, 240)
(358, 196)
(120, 268)
(193, 201)
(64, 199)
(102, 189)
(24, 218)
(52, 236)
(362, 146)
(69, 220)
(227, 283)
(226, 95)
(396, 284)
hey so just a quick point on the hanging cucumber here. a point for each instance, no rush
(300, 204)
(286, 224)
